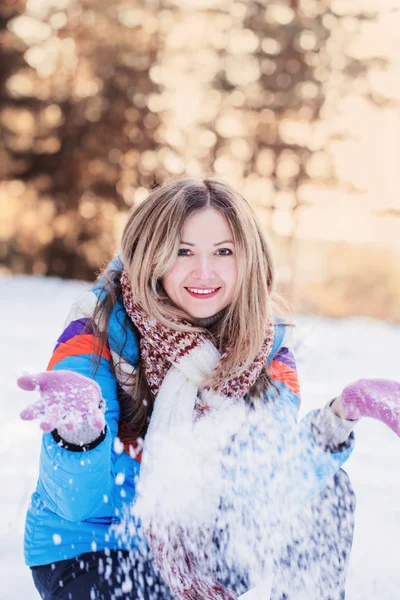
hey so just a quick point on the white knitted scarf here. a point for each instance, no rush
(190, 424)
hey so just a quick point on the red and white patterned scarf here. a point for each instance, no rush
(178, 490)
(161, 347)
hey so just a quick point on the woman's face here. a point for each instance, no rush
(203, 279)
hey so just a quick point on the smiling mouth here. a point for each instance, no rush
(202, 293)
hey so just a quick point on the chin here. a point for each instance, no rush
(204, 313)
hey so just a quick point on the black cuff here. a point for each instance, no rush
(76, 447)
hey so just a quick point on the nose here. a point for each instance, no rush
(203, 268)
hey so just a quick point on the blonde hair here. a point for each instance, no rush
(150, 244)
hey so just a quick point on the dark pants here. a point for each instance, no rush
(311, 562)
(99, 576)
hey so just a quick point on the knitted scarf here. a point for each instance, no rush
(161, 347)
(190, 426)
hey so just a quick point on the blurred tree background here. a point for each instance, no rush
(294, 102)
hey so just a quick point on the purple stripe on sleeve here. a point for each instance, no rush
(286, 357)
(74, 328)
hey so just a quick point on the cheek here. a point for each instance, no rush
(171, 282)
(231, 278)
(167, 284)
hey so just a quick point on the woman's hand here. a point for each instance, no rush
(375, 398)
(67, 399)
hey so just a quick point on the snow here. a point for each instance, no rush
(330, 354)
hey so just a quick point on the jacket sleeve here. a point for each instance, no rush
(72, 483)
(303, 466)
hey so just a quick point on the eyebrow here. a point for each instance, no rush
(217, 244)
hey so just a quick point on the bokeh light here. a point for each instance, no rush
(295, 104)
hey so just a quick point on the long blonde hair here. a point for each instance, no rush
(149, 247)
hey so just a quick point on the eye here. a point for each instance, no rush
(224, 252)
(183, 252)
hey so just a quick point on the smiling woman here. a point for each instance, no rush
(171, 448)
(192, 234)
(203, 279)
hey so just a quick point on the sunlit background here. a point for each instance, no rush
(294, 102)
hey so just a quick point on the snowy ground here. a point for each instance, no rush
(330, 354)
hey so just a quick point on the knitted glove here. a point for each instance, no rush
(67, 400)
(375, 398)
(179, 568)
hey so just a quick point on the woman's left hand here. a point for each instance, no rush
(375, 398)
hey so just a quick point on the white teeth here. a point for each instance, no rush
(201, 291)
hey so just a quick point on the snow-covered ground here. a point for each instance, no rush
(330, 354)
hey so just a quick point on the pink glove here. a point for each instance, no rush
(67, 399)
(375, 398)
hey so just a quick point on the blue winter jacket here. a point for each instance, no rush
(82, 497)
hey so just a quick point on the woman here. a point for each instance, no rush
(175, 366)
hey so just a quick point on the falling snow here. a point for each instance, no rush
(330, 354)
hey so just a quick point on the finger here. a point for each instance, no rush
(51, 417)
(28, 414)
(47, 426)
(96, 419)
(38, 381)
(27, 382)
(72, 420)
(33, 411)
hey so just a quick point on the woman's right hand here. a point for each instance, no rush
(67, 399)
